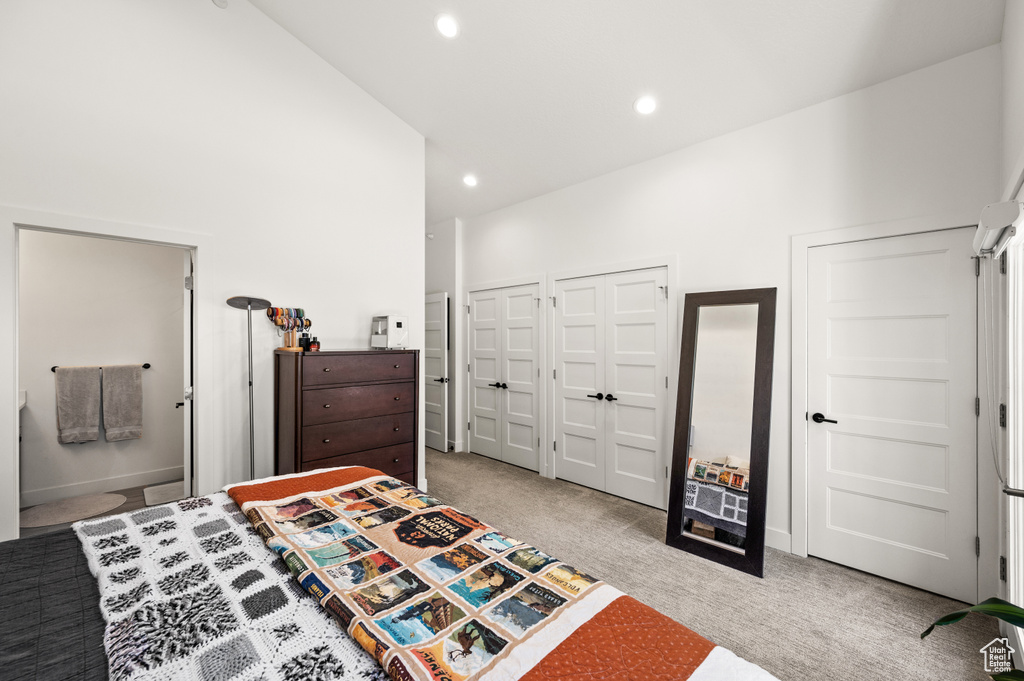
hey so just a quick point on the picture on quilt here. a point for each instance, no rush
(346, 497)
(403, 493)
(422, 502)
(389, 592)
(525, 608)
(485, 584)
(369, 642)
(320, 536)
(332, 554)
(440, 528)
(530, 559)
(388, 485)
(421, 621)
(360, 507)
(382, 517)
(464, 652)
(570, 579)
(290, 510)
(308, 521)
(453, 562)
(363, 569)
(499, 542)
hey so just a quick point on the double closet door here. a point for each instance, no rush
(611, 383)
(505, 374)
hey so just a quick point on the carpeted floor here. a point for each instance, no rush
(807, 619)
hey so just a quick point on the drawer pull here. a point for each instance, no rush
(327, 406)
(397, 398)
(327, 440)
(327, 369)
(398, 366)
(394, 460)
(396, 429)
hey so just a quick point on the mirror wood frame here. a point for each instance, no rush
(752, 560)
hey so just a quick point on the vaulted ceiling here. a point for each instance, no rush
(536, 95)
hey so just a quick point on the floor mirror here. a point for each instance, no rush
(719, 483)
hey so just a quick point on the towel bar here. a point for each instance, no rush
(144, 366)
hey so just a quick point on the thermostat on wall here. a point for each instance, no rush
(390, 332)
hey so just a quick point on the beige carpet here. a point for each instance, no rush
(69, 510)
(164, 494)
(807, 619)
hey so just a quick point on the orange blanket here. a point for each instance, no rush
(434, 594)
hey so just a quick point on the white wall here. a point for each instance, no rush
(196, 125)
(923, 144)
(86, 301)
(1013, 94)
(444, 274)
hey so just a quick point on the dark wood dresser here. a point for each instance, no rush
(346, 408)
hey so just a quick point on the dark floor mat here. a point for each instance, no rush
(50, 621)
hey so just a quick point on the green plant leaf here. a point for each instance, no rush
(995, 607)
(1013, 675)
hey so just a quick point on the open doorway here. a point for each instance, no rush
(91, 301)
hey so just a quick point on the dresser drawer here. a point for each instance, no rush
(328, 405)
(357, 368)
(395, 460)
(345, 437)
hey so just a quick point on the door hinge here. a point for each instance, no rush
(468, 426)
(977, 546)
(468, 370)
(1002, 415)
(977, 265)
(977, 406)
(666, 381)
(538, 372)
(538, 302)
(467, 309)
(1002, 263)
(554, 301)
(665, 291)
(666, 471)
(189, 282)
(554, 374)
(1002, 568)
(554, 446)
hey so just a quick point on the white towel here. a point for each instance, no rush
(122, 402)
(78, 404)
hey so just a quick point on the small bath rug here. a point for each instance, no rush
(164, 494)
(69, 510)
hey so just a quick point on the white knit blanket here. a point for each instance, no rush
(189, 591)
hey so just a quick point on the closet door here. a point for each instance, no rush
(435, 372)
(636, 321)
(520, 361)
(484, 366)
(579, 377)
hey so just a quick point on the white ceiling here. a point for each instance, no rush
(536, 95)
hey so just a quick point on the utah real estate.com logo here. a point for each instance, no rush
(997, 656)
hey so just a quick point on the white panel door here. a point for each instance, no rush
(892, 358)
(435, 370)
(636, 317)
(484, 368)
(579, 378)
(520, 376)
(611, 362)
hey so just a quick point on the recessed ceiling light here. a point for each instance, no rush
(446, 25)
(470, 180)
(645, 105)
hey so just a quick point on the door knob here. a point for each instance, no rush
(504, 386)
(820, 418)
(610, 398)
(440, 380)
(599, 396)
(494, 385)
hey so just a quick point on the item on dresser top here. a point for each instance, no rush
(314, 344)
(389, 332)
(249, 304)
(346, 408)
(122, 402)
(188, 591)
(78, 404)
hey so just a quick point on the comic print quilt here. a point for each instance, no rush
(434, 594)
(189, 591)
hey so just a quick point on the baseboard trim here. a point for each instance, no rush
(48, 494)
(1015, 639)
(777, 539)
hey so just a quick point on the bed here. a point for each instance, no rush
(220, 587)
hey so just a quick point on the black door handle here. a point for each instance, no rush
(504, 386)
(820, 418)
(179, 404)
(494, 385)
(599, 396)
(610, 398)
(440, 380)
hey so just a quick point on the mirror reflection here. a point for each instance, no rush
(717, 479)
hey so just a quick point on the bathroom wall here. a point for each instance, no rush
(86, 301)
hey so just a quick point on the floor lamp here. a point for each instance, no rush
(250, 304)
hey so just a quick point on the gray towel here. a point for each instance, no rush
(122, 402)
(78, 404)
